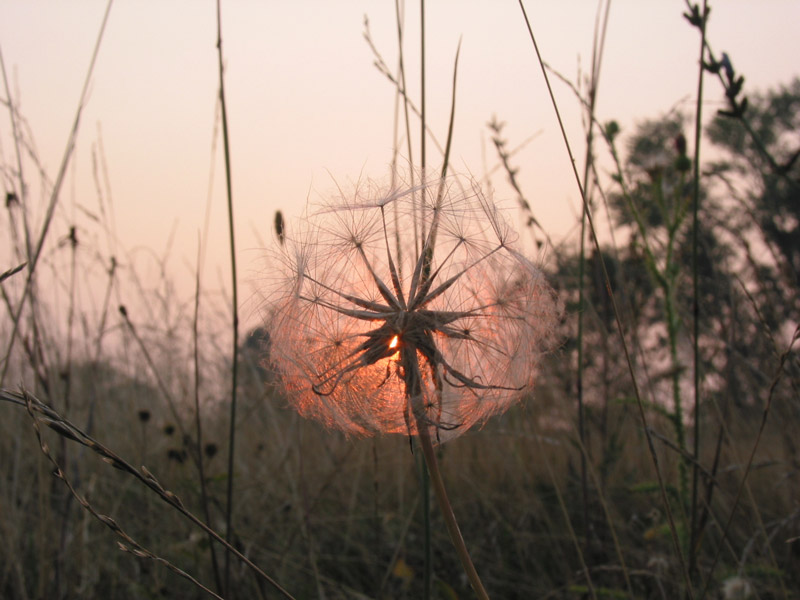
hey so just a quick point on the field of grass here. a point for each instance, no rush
(149, 449)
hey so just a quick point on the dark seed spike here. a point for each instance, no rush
(461, 334)
(373, 349)
(472, 384)
(368, 304)
(422, 268)
(454, 384)
(348, 366)
(376, 346)
(437, 318)
(392, 269)
(336, 378)
(363, 315)
(387, 377)
(447, 284)
(431, 242)
(428, 282)
(382, 288)
(416, 275)
(433, 355)
(437, 384)
(457, 334)
(428, 351)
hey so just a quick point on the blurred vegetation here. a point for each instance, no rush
(110, 346)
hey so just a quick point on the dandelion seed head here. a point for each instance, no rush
(381, 282)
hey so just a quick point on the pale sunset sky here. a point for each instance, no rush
(307, 108)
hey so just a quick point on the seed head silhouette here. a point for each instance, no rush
(406, 308)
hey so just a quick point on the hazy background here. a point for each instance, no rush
(307, 106)
(323, 513)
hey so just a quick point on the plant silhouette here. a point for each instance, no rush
(406, 302)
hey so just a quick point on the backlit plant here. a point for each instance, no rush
(409, 308)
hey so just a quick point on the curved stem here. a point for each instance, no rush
(413, 382)
(447, 510)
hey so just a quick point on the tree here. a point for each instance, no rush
(760, 173)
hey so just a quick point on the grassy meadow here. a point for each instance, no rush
(148, 448)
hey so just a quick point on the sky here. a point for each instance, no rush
(308, 110)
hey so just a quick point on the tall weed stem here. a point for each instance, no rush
(234, 304)
(698, 130)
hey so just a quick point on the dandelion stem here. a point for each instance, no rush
(447, 510)
(413, 381)
(425, 484)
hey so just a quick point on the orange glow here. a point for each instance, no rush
(393, 343)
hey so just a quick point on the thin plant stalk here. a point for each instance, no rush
(449, 144)
(399, 546)
(698, 130)
(413, 380)
(234, 302)
(395, 80)
(431, 474)
(568, 522)
(612, 529)
(98, 343)
(61, 554)
(743, 485)
(666, 278)
(425, 473)
(33, 257)
(398, 18)
(402, 79)
(426, 500)
(20, 174)
(634, 382)
(198, 423)
(422, 87)
(588, 161)
(162, 386)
